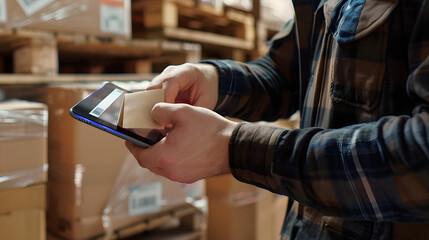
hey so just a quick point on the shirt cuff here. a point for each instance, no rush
(232, 82)
(251, 153)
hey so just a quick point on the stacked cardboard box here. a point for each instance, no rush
(95, 185)
(242, 211)
(95, 17)
(23, 155)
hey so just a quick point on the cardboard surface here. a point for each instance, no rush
(23, 225)
(23, 167)
(238, 211)
(95, 17)
(23, 199)
(22, 213)
(137, 109)
(23, 143)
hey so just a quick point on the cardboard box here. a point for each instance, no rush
(19, 199)
(22, 213)
(93, 179)
(239, 211)
(95, 17)
(23, 225)
(23, 143)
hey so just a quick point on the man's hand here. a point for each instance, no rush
(195, 147)
(194, 84)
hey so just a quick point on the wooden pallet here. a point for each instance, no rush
(171, 234)
(183, 20)
(264, 34)
(266, 28)
(24, 51)
(187, 220)
(188, 223)
(184, 222)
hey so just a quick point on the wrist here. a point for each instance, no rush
(227, 135)
(210, 84)
(209, 71)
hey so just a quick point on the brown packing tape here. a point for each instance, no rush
(137, 107)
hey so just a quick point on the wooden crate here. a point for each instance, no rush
(184, 20)
(33, 52)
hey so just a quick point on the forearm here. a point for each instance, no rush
(376, 171)
(264, 89)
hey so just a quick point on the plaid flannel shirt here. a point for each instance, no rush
(358, 72)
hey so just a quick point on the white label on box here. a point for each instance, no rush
(32, 6)
(145, 199)
(3, 11)
(112, 19)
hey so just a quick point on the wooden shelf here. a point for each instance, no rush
(45, 53)
(175, 20)
(29, 79)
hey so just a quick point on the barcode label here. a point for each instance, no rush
(32, 6)
(97, 111)
(3, 11)
(105, 103)
(145, 199)
(112, 19)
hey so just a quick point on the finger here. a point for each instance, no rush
(163, 113)
(156, 83)
(143, 156)
(157, 171)
(171, 90)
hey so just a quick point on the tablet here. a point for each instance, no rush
(102, 109)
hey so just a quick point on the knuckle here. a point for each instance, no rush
(141, 163)
(180, 177)
(169, 68)
(173, 176)
(192, 68)
(183, 110)
(166, 163)
(189, 181)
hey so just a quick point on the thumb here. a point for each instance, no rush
(164, 113)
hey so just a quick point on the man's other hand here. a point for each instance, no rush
(195, 147)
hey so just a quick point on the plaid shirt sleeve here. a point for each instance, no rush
(377, 171)
(258, 90)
